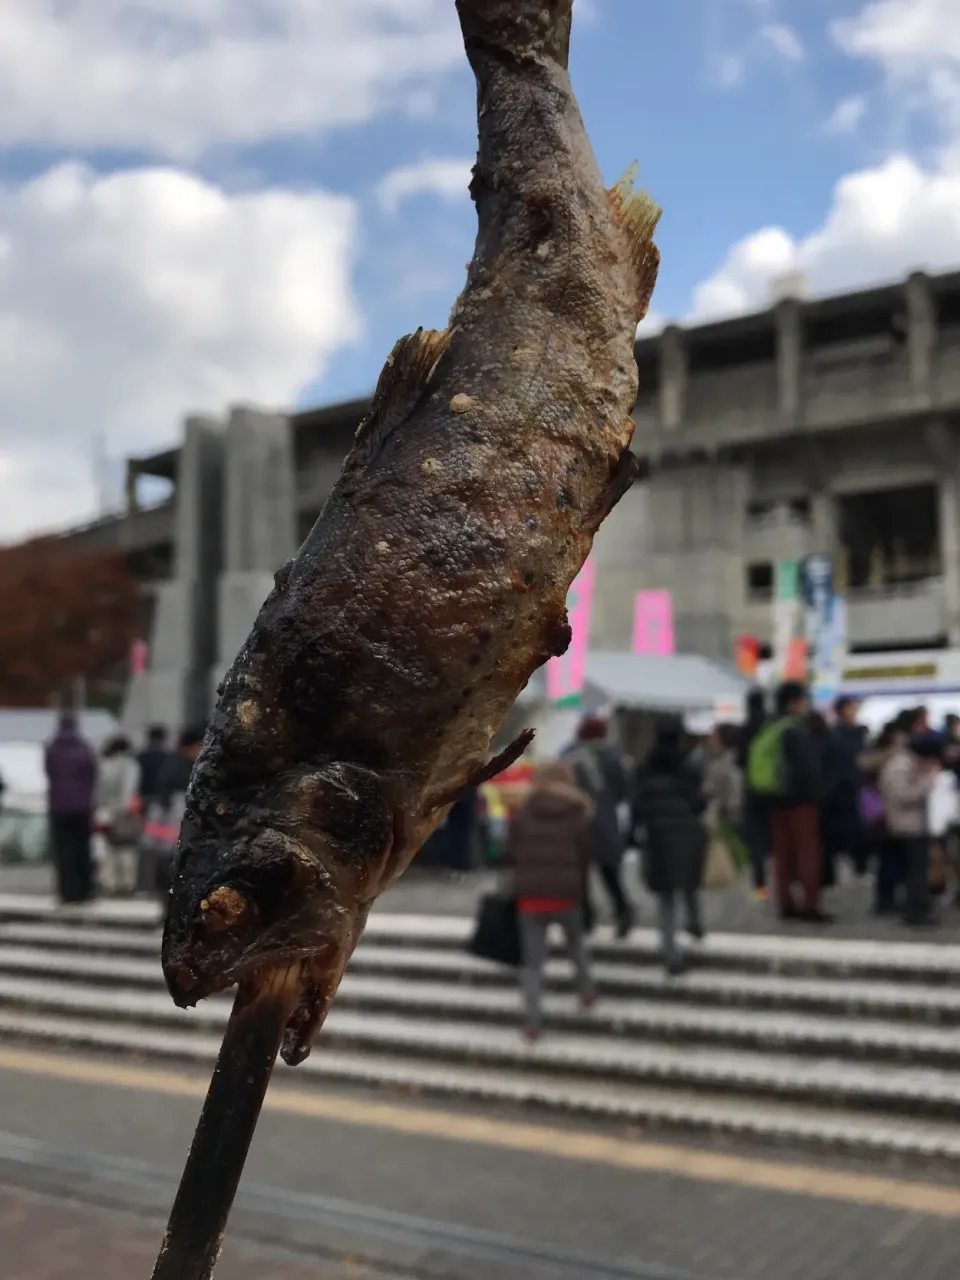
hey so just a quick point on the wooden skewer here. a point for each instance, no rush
(198, 1219)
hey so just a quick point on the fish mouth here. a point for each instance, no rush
(189, 982)
(319, 937)
(319, 977)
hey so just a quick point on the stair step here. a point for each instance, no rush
(904, 1001)
(773, 1031)
(679, 1109)
(826, 1080)
(925, 963)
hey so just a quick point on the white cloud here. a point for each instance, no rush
(883, 223)
(651, 324)
(176, 76)
(784, 40)
(447, 179)
(886, 220)
(730, 69)
(846, 116)
(917, 45)
(902, 33)
(127, 299)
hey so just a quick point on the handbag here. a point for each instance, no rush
(872, 811)
(158, 843)
(937, 870)
(125, 829)
(719, 869)
(496, 934)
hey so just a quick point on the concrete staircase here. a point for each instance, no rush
(822, 1042)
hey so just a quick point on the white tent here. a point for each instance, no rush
(676, 684)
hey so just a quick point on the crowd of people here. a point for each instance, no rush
(790, 795)
(114, 817)
(818, 793)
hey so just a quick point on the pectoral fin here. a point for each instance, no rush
(496, 764)
(402, 382)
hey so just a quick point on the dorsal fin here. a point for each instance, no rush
(638, 216)
(402, 382)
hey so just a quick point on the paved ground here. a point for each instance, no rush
(47, 1238)
(735, 911)
(731, 1219)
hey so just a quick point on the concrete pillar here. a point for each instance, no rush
(259, 524)
(824, 525)
(621, 553)
(260, 529)
(921, 334)
(130, 486)
(696, 525)
(174, 690)
(789, 322)
(944, 450)
(673, 377)
(949, 512)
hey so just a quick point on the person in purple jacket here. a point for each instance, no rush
(71, 768)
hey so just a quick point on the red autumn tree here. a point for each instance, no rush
(65, 611)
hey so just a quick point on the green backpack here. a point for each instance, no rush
(767, 768)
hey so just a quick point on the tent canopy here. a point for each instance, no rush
(678, 683)
(24, 726)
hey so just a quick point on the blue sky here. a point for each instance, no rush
(731, 135)
(742, 114)
(205, 201)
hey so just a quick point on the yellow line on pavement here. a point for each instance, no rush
(564, 1144)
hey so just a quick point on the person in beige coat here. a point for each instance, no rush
(906, 780)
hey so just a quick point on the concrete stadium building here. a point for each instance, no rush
(828, 425)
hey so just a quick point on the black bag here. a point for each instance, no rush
(497, 933)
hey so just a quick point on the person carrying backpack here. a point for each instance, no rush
(783, 767)
(755, 812)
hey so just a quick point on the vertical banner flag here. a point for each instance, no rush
(653, 624)
(138, 657)
(829, 674)
(567, 674)
(748, 656)
(786, 617)
(796, 666)
(817, 593)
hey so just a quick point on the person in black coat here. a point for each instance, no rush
(152, 760)
(668, 825)
(841, 826)
(795, 810)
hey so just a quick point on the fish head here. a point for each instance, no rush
(266, 880)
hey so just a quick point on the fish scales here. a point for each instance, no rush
(433, 584)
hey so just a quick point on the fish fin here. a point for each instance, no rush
(624, 474)
(502, 760)
(403, 380)
(638, 216)
(485, 772)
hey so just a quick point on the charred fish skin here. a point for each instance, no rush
(434, 581)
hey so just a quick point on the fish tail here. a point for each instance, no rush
(637, 216)
(522, 30)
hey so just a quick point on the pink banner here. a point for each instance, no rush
(653, 624)
(567, 675)
(138, 657)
